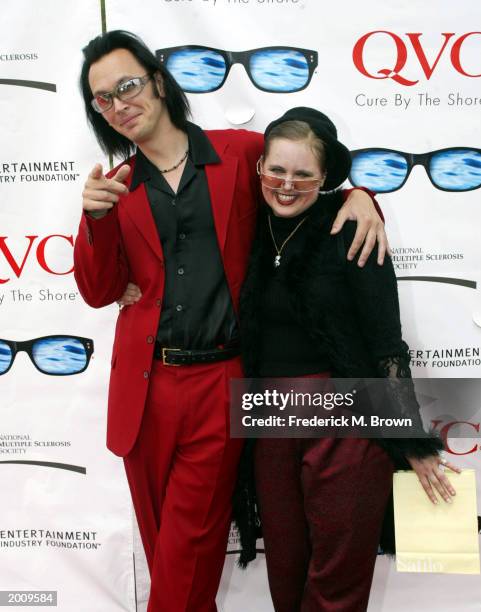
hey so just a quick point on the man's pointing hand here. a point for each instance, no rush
(100, 193)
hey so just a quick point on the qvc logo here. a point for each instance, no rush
(413, 47)
(445, 428)
(45, 251)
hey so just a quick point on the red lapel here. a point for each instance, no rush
(138, 209)
(221, 179)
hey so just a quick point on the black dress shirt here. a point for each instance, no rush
(197, 310)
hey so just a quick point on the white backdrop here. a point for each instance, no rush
(433, 233)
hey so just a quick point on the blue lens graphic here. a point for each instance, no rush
(5, 357)
(197, 70)
(378, 170)
(279, 70)
(61, 355)
(456, 170)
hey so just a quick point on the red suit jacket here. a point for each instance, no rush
(124, 246)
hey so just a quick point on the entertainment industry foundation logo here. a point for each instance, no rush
(38, 171)
(40, 537)
(446, 357)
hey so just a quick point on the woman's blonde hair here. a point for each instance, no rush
(298, 130)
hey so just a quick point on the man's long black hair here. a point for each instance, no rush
(178, 108)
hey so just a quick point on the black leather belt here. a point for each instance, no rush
(178, 357)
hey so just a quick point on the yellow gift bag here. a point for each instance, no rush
(441, 538)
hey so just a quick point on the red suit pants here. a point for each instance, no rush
(181, 472)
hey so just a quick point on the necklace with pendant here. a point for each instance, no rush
(277, 258)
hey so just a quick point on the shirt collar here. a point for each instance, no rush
(201, 152)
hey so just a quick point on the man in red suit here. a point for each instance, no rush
(177, 220)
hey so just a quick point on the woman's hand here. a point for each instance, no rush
(432, 477)
(131, 295)
(359, 207)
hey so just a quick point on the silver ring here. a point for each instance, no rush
(444, 461)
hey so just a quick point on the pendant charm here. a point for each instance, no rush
(277, 261)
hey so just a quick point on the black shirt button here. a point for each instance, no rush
(150, 339)
(179, 307)
(181, 236)
(174, 202)
(180, 271)
(146, 374)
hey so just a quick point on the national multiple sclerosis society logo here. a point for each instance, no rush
(33, 84)
(408, 45)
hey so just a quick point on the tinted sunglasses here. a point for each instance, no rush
(200, 69)
(271, 181)
(386, 170)
(125, 90)
(53, 355)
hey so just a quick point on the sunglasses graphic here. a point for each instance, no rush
(386, 170)
(200, 69)
(53, 355)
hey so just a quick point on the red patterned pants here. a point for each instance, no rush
(322, 504)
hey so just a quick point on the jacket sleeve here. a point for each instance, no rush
(101, 268)
(347, 192)
(375, 296)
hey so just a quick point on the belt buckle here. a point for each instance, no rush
(164, 356)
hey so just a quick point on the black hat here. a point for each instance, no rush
(338, 158)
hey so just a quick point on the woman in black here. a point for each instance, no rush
(306, 311)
